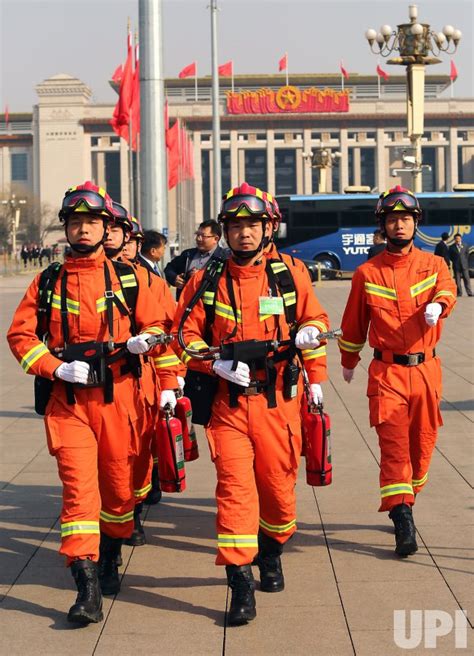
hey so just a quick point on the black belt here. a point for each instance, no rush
(407, 360)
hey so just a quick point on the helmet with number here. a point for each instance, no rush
(397, 199)
(89, 198)
(122, 217)
(137, 230)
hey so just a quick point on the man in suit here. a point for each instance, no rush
(442, 249)
(152, 251)
(379, 244)
(459, 254)
(182, 267)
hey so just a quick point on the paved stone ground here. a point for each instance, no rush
(343, 581)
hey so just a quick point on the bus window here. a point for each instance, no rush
(447, 216)
(314, 219)
(357, 218)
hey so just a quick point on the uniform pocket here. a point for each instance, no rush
(212, 444)
(376, 403)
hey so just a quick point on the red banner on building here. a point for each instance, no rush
(287, 100)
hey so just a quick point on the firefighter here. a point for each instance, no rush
(160, 385)
(254, 433)
(89, 389)
(401, 296)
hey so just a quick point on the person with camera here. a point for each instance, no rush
(80, 334)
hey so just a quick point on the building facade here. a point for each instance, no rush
(68, 138)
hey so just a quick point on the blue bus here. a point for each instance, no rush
(337, 229)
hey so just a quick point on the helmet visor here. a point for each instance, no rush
(254, 205)
(389, 202)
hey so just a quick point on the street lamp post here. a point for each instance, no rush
(14, 204)
(322, 159)
(414, 41)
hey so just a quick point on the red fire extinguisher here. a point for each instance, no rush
(316, 429)
(183, 412)
(170, 452)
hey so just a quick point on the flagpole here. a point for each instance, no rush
(232, 76)
(138, 181)
(342, 82)
(131, 202)
(287, 80)
(216, 125)
(196, 82)
(378, 79)
(452, 88)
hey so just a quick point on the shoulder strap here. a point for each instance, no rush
(212, 274)
(129, 286)
(278, 271)
(47, 282)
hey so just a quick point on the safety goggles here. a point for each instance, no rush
(120, 212)
(92, 200)
(388, 203)
(253, 204)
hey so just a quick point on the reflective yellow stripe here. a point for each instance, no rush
(395, 488)
(143, 491)
(166, 361)
(77, 528)
(312, 354)
(351, 347)
(208, 298)
(128, 281)
(422, 286)
(442, 292)
(277, 267)
(199, 344)
(314, 322)
(277, 528)
(33, 355)
(116, 519)
(101, 305)
(71, 306)
(153, 330)
(226, 311)
(235, 541)
(262, 317)
(289, 298)
(418, 482)
(379, 290)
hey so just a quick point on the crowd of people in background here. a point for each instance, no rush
(33, 254)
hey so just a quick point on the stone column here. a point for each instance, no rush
(344, 161)
(198, 204)
(381, 172)
(271, 162)
(307, 177)
(453, 159)
(234, 159)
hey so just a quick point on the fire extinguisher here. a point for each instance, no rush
(170, 451)
(183, 412)
(316, 429)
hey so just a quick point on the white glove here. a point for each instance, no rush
(241, 376)
(181, 382)
(138, 344)
(168, 396)
(73, 372)
(432, 312)
(307, 338)
(347, 374)
(316, 393)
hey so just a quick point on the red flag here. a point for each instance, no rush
(117, 76)
(453, 73)
(283, 63)
(188, 71)
(135, 102)
(226, 70)
(345, 74)
(7, 117)
(382, 73)
(121, 116)
(172, 146)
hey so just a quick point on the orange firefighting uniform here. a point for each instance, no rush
(93, 442)
(255, 449)
(156, 376)
(388, 297)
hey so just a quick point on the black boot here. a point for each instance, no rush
(154, 495)
(137, 539)
(405, 533)
(88, 606)
(108, 570)
(242, 605)
(269, 563)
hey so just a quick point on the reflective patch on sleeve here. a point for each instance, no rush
(33, 356)
(351, 347)
(423, 285)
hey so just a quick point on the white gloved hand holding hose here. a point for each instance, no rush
(316, 393)
(73, 372)
(307, 338)
(241, 375)
(167, 397)
(138, 344)
(347, 374)
(432, 313)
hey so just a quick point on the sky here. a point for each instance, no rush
(87, 39)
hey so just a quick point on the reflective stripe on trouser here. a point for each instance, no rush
(93, 444)
(404, 408)
(256, 454)
(143, 461)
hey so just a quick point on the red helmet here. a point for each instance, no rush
(137, 230)
(87, 197)
(245, 201)
(122, 217)
(397, 199)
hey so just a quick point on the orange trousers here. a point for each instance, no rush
(143, 461)
(256, 451)
(404, 408)
(94, 444)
